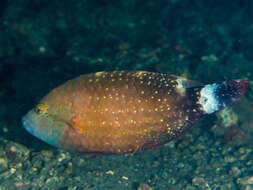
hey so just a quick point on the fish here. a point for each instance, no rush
(122, 112)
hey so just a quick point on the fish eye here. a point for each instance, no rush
(41, 109)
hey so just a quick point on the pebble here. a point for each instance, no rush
(144, 186)
(235, 171)
(3, 164)
(245, 182)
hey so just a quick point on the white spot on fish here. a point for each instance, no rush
(180, 87)
(98, 74)
(208, 100)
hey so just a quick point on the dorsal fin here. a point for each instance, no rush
(186, 83)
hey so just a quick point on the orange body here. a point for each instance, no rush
(121, 112)
(125, 111)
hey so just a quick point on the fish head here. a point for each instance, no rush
(45, 122)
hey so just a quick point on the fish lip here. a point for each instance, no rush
(27, 124)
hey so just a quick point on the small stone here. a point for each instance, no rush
(46, 153)
(124, 177)
(62, 157)
(230, 159)
(228, 185)
(165, 175)
(228, 117)
(199, 181)
(144, 186)
(3, 164)
(109, 172)
(42, 49)
(69, 169)
(250, 180)
(245, 183)
(21, 185)
(209, 58)
(235, 171)
(244, 153)
(5, 174)
(171, 144)
(15, 150)
(12, 170)
(18, 165)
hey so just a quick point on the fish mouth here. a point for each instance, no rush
(28, 124)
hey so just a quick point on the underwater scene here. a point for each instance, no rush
(126, 95)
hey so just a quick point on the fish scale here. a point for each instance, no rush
(125, 111)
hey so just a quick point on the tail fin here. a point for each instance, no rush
(214, 97)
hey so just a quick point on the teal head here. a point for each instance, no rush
(44, 123)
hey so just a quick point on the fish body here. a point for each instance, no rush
(125, 111)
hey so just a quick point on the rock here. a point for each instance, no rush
(144, 186)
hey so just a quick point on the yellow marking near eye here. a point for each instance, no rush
(41, 109)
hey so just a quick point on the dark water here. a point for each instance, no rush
(43, 43)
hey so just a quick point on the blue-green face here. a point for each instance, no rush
(40, 123)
